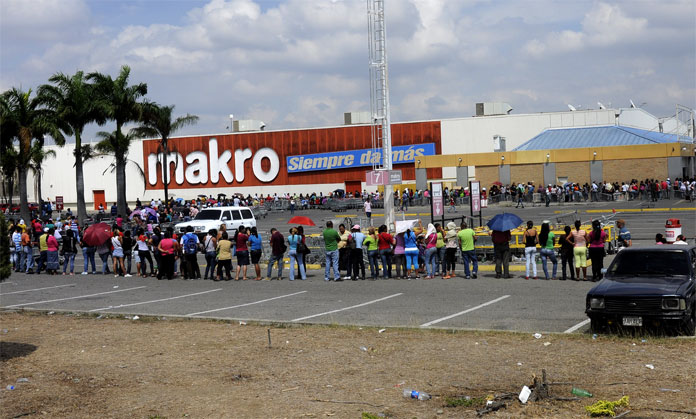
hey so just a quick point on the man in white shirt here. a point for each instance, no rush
(368, 210)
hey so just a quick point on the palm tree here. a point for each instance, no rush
(37, 155)
(157, 122)
(73, 99)
(121, 106)
(22, 118)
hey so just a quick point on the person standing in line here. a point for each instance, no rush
(440, 252)
(255, 251)
(240, 241)
(567, 244)
(547, 242)
(300, 232)
(356, 254)
(189, 244)
(580, 251)
(168, 249)
(69, 250)
(224, 257)
(117, 255)
(430, 251)
(597, 238)
(16, 247)
(450, 250)
(368, 211)
(520, 196)
(43, 248)
(501, 252)
(530, 241)
(467, 238)
(52, 263)
(344, 251)
(400, 256)
(385, 241)
(128, 245)
(293, 240)
(372, 247)
(88, 256)
(331, 239)
(411, 253)
(277, 251)
(27, 257)
(144, 255)
(209, 246)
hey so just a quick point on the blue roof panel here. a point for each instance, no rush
(605, 136)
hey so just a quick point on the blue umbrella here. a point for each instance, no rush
(503, 222)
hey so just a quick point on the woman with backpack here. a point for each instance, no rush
(69, 251)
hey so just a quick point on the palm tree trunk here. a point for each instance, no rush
(80, 179)
(165, 173)
(121, 185)
(39, 193)
(23, 204)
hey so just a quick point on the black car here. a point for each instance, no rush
(652, 287)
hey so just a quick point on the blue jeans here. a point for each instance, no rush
(373, 259)
(210, 264)
(386, 255)
(470, 256)
(273, 259)
(331, 262)
(411, 259)
(27, 258)
(69, 257)
(88, 255)
(105, 262)
(294, 256)
(431, 260)
(550, 254)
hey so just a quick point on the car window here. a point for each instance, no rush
(655, 263)
(208, 214)
(236, 215)
(227, 214)
(246, 214)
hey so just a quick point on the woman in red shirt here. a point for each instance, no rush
(384, 244)
(52, 264)
(168, 248)
(240, 241)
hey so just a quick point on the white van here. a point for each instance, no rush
(213, 217)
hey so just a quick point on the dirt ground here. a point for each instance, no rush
(80, 366)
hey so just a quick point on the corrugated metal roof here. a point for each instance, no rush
(607, 136)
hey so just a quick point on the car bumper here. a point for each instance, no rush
(648, 319)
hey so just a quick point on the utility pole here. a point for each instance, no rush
(379, 99)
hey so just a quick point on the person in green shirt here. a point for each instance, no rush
(467, 237)
(331, 239)
(371, 244)
(546, 242)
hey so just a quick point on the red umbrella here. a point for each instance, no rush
(97, 234)
(301, 220)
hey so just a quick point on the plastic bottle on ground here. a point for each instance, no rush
(580, 392)
(413, 394)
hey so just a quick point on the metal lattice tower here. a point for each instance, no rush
(379, 98)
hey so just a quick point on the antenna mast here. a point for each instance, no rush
(379, 99)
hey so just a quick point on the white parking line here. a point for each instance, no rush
(72, 298)
(451, 316)
(153, 301)
(347, 308)
(577, 326)
(246, 304)
(37, 289)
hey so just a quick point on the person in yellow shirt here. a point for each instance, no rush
(224, 257)
(43, 251)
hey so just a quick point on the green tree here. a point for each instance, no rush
(74, 101)
(5, 264)
(157, 122)
(24, 119)
(38, 154)
(121, 106)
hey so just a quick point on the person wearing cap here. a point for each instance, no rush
(356, 254)
(501, 252)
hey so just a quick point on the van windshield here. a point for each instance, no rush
(208, 214)
(651, 263)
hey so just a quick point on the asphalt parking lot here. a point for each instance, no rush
(485, 303)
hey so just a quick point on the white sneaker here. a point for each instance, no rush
(128, 275)
(346, 277)
(83, 273)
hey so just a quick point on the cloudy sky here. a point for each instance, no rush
(302, 63)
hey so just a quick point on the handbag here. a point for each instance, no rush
(302, 248)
